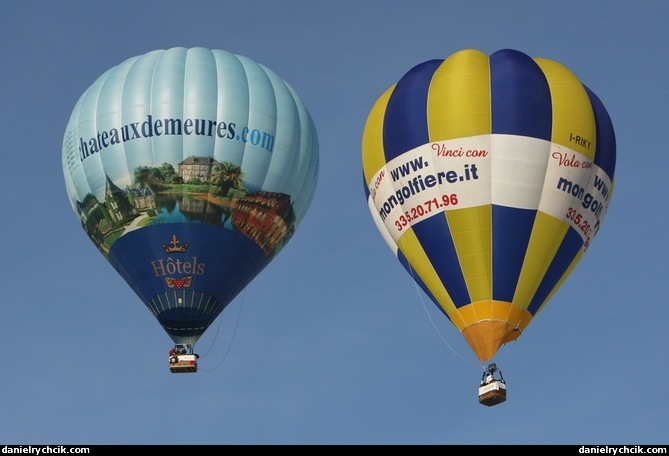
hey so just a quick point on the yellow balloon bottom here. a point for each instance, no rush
(487, 325)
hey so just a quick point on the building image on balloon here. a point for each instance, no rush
(100, 219)
(265, 217)
(196, 168)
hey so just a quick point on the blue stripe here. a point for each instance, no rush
(605, 154)
(405, 122)
(565, 255)
(521, 98)
(511, 230)
(435, 238)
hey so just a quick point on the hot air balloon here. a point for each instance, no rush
(189, 169)
(489, 177)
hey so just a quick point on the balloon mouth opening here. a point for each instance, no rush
(487, 325)
(486, 338)
(185, 325)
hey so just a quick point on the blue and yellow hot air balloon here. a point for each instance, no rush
(190, 169)
(489, 177)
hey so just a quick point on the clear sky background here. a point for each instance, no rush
(332, 343)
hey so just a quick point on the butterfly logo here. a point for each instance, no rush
(178, 283)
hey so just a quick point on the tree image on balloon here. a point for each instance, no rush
(489, 177)
(189, 169)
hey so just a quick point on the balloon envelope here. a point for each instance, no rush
(488, 177)
(189, 169)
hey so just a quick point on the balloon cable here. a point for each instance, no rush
(422, 301)
(234, 332)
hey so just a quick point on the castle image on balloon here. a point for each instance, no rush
(201, 188)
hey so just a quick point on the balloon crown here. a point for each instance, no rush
(175, 245)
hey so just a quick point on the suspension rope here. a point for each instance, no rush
(422, 301)
(234, 332)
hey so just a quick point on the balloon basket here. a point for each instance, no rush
(183, 364)
(492, 393)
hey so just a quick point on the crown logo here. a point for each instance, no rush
(175, 245)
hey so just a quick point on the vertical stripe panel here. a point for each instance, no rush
(520, 96)
(605, 151)
(459, 99)
(435, 239)
(573, 117)
(405, 123)
(511, 236)
(458, 107)
(520, 107)
(471, 232)
(373, 158)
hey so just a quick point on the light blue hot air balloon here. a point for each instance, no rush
(190, 169)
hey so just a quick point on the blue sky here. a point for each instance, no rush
(332, 343)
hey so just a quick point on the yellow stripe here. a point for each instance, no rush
(459, 97)
(471, 230)
(459, 106)
(373, 157)
(573, 117)
(545, 240)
